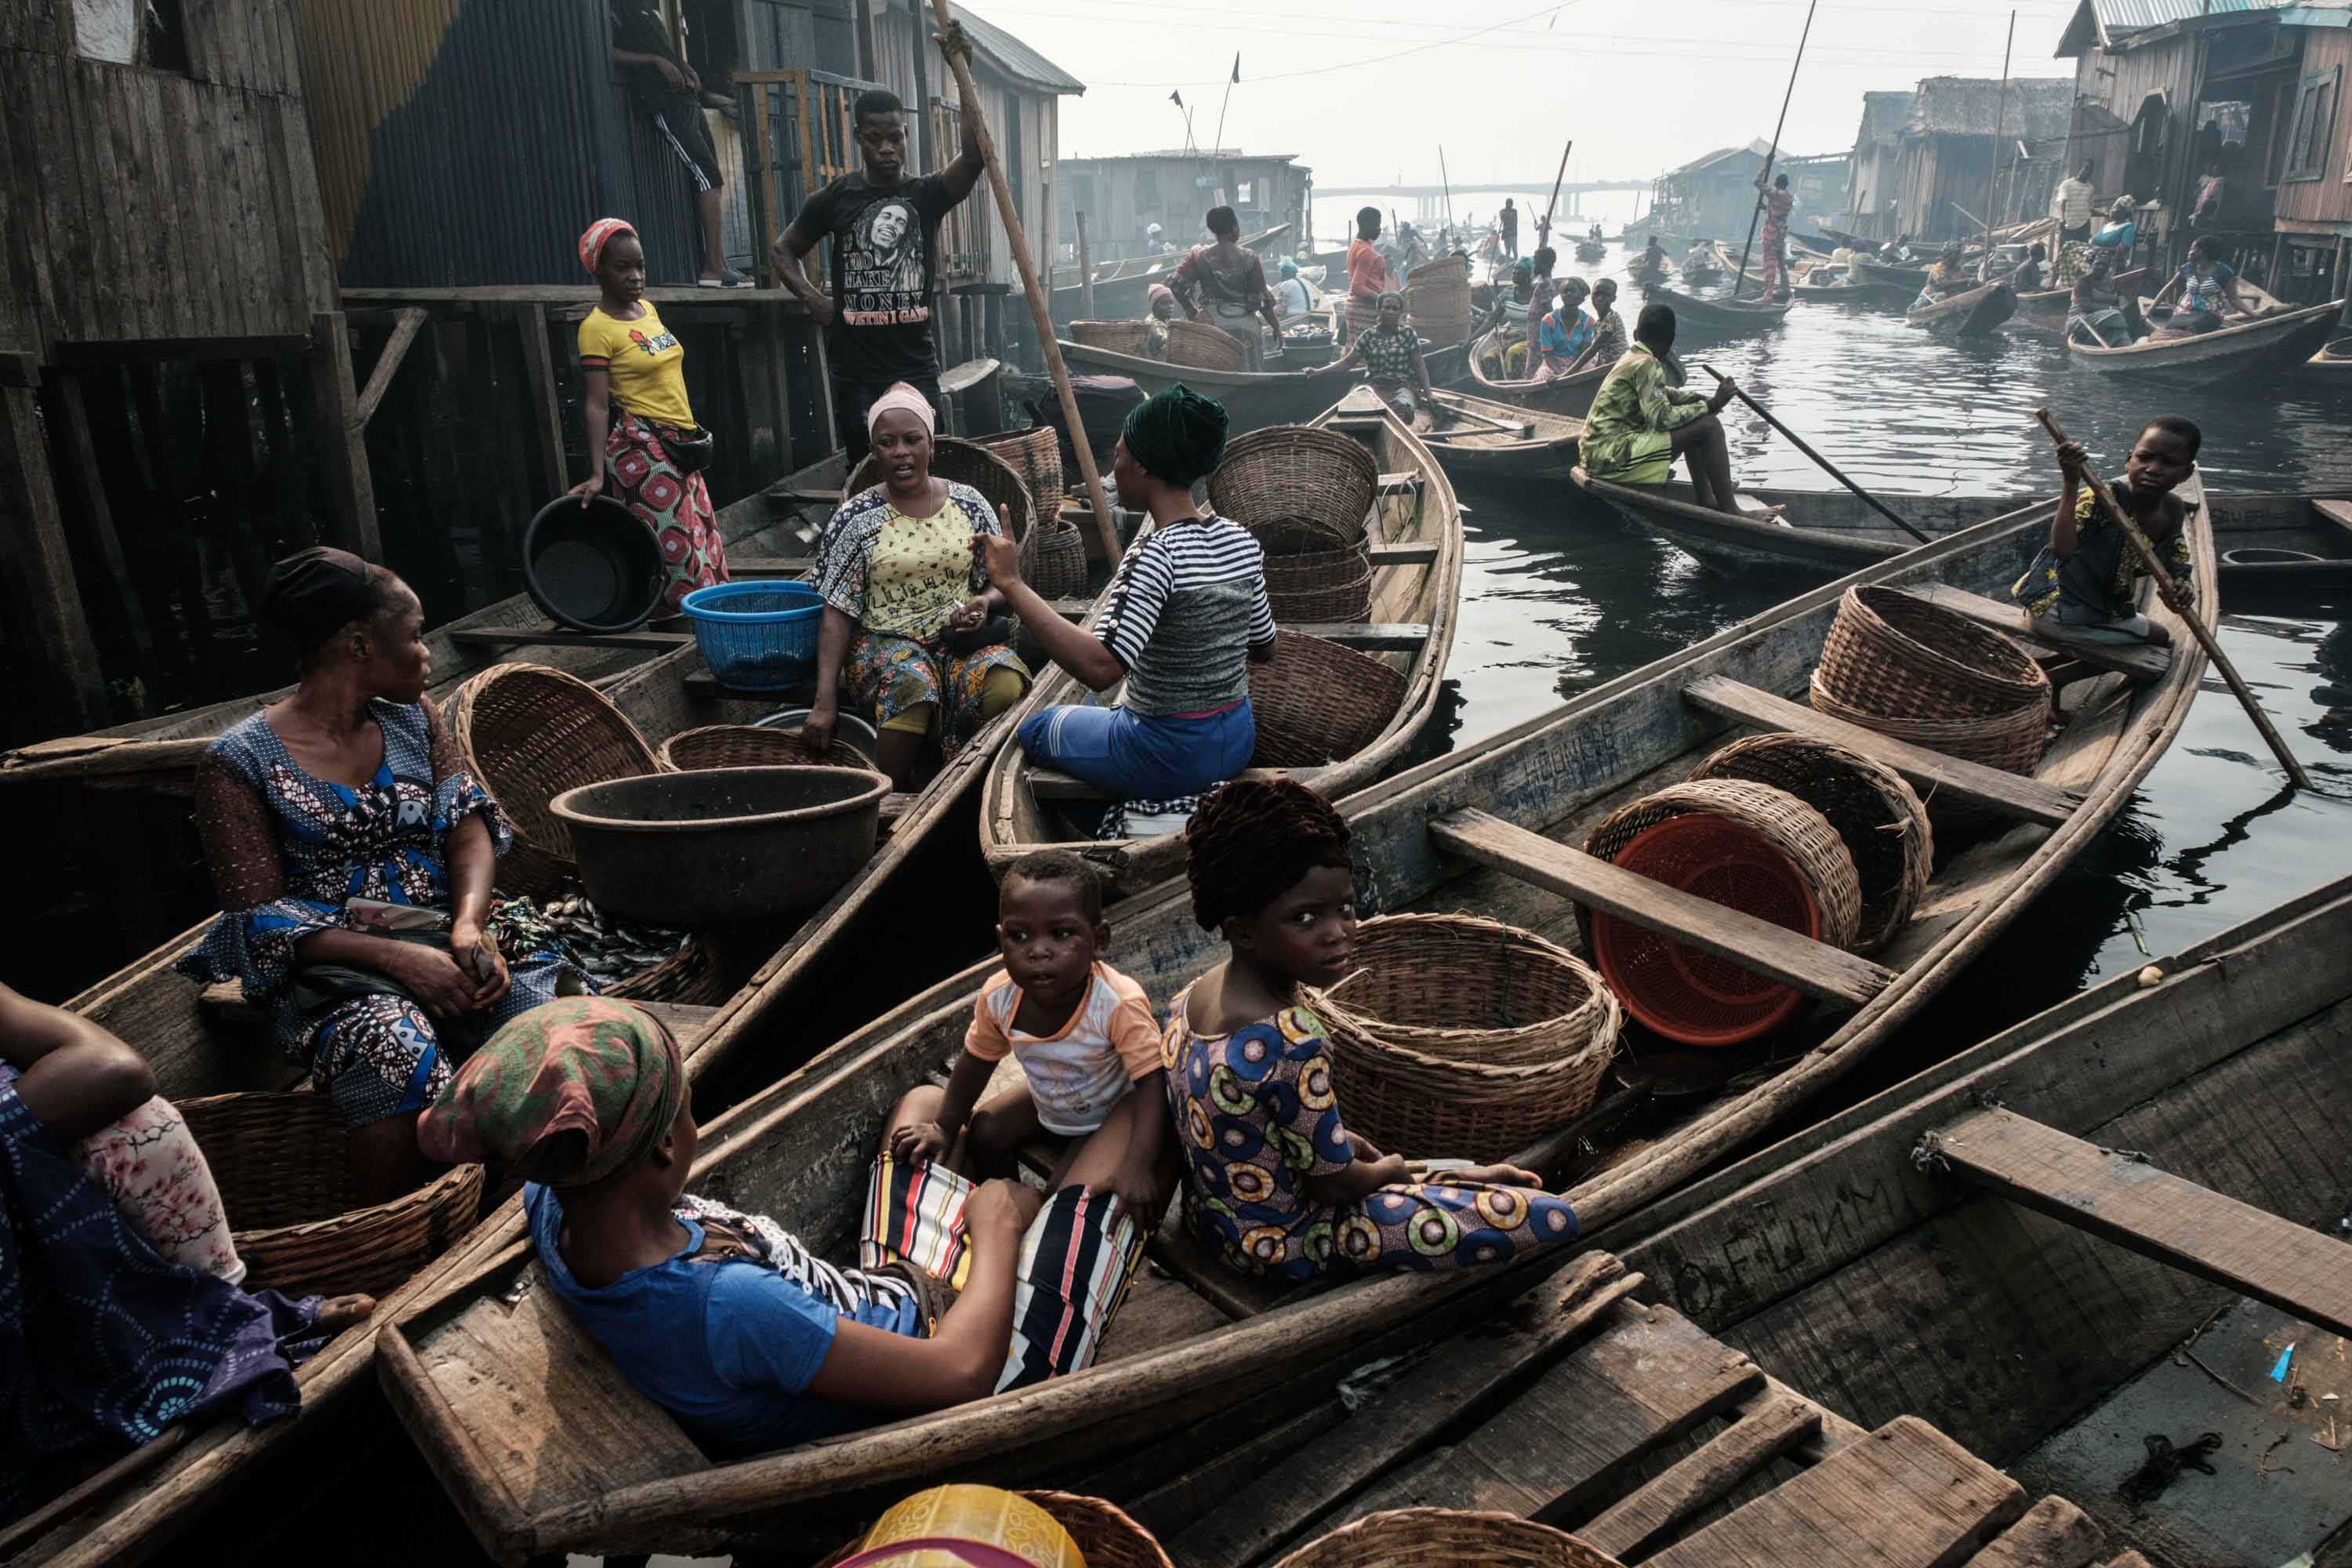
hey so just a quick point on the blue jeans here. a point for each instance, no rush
(1131, 757)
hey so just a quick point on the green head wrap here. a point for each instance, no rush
(1178, 436)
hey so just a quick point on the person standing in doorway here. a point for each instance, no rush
(2072, 207)
(885, 228)
(1510, 229)
(667, 90)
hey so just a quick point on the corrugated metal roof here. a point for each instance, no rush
(1013, 57)
(2102, 22)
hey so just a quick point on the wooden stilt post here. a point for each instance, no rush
(546, 408)
(48, 628)
(336, 418)
(1086, 271)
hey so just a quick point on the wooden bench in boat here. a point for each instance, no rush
(1050, 784)
(2117, 1195)
(2338, 512)
(2137, 661)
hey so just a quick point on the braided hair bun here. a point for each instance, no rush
(1252, 840)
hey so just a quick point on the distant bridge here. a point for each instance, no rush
(1509, 187)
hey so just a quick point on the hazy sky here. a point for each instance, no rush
(1640, 84)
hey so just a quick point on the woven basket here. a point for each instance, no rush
(1282, 537)
(284, 1168)
(1196, 345)
(1896, 654)
(529, 733)
(1445, 1537)
(965, 463)
(692, 975)
(1036, 454)
(1329, 587)
(1293, 471)
(1102, 1532)
(1877, 814)
(1059, 569)
(1787, 822)
(1317, 702)
(2010, 741)
(1437, 300)
(751, 746)
(1119, 337)
(1464, 1037)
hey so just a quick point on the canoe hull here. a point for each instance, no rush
(1568, 395)
(1967, 314)
(1251, 399)
(1717, 318)
(1547, 452)
(2278, 341)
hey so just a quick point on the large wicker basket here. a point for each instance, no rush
(1894, 653)
(693, 975)
(1317, 702)
(1119, 337)
(1325, 587)
(1464, 1037)
(283, 1165)
(1292, 471)
(1875, 813)
(1036, 454)
(753, 746)
(529, 733)
(1102, 1532)
(1445, 1537)
(1196, 345)
(1794, 829)
(2010, 741)
(965, 463)
(1437, 300)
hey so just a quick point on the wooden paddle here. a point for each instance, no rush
(1827, 467)
(1018, 241)
(2164, 581)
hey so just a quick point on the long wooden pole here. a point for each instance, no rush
(2164, 581)
(1992, 175)
(1826, 465)
(1085, 273)
(1446, 180)
(954, 46)
(1543, 229)
(1741, 281)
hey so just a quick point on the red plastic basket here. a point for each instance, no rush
(1678, 991)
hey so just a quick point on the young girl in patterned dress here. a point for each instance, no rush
(1274, 1182)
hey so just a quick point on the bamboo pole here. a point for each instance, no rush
(2164, 581)
(1741, 279)
(1086, 272)
(969, 96)
(1992, 175)
(1446, 180)
(1543, 229)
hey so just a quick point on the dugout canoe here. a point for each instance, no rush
(1127, 288)
(495, 1395)
(1717, 318)
(1866, 270)
(2048, 307)
(205, 1041)
(1968, 313)
(1253, 398)
(2272, 342)
(1414, 532)
(1479, 440)
(2187, 1108)
(2336, 356)
(1568, 397)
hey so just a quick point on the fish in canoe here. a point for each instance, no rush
(494, 1381)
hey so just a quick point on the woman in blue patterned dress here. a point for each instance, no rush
(338, 823)
(1274, 1182)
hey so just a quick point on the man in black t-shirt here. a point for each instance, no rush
(885, 229)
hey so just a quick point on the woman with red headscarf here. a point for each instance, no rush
(633, 375)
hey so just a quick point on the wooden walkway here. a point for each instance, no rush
(1583, 1407)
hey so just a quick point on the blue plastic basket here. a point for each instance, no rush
(757, 635)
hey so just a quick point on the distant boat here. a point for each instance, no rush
(2278, 342)
(1968, 313)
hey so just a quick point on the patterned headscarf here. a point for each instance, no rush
(599, 235)
(901, 395)
(567, 1094)
(1178, 435)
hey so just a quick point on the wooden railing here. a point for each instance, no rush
(801, 135)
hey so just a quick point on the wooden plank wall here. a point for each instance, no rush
(155, 204)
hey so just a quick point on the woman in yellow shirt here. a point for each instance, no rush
(633, 373)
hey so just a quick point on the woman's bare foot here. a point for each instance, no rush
(342, 1312)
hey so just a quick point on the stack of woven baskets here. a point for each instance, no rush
(1437, 300)
(1464, 1037)
(1054, 556)
(1119, 337)
(1793, 830)
(1196, 345)
(1905, 667)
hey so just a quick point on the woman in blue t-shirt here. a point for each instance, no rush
(726, 1319)
(2208, 286)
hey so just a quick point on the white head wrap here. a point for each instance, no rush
(901, 395)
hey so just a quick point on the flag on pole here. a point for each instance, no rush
(1237, 69)
(1177, 99)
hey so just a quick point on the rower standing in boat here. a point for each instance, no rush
(1640, 421)
(1223, 284)
(1275, 1184)
(1391, 355)
(2208, 286)
(1650, 268)
(1777, 202)
(1369, 275)
(2099, 312)
(2083, 585)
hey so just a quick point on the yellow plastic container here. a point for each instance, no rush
(1003, 1528)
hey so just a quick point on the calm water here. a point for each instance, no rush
(1560, 596)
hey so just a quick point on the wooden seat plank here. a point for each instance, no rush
(1377, 637)
(559, 637)
(740, 566)
(1904, 1494)
(1931, 773)
(2138, 660)
(1402, 554)
(1051, 783)
(2121, 1197)
(1759, 946)
(1702, 1477)
(2053, 1533)
(2338, 512)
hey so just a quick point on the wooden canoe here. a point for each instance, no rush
(1122, 291)
(1567, 396)
(2187, 1191)
(1716, 318)
(1416, 520)
(207, 1042)
(2048, 307)
(2276, 342)
(495, 1395)
(2334, 356)
(1481, 441)
(1968, 313)
(1866, 270)
(1253, 398)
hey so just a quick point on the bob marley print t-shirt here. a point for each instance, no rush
(885, 259)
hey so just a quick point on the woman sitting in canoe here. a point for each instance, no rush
(1946, 279)
(2208, 287)
(353, 849)
(2082, 586)
(124, 1313)
(727, 1321)
(1565, 333)
(1188, 616)
(1274, 1182)
(1640, 421)
(912, 628)
(2099, 312)
(1391, 355)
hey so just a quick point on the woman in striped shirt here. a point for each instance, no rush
(1187, 616)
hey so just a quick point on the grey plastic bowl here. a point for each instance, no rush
(720, 845)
